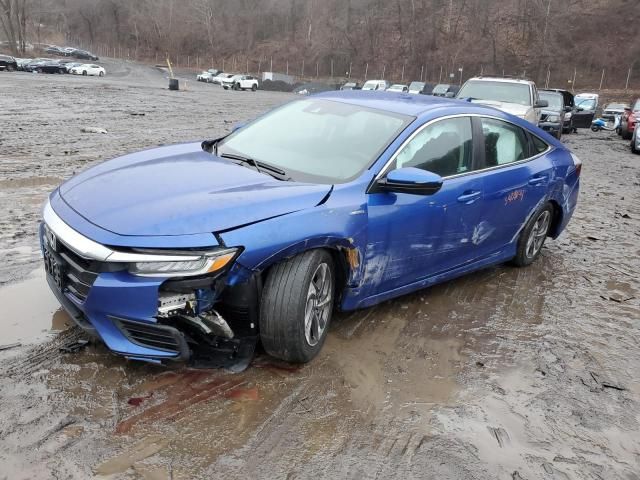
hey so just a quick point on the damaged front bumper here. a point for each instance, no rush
(199, 319)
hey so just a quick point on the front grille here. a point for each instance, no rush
(150, 335)
(79, 272)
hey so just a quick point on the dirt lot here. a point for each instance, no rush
(504, 374)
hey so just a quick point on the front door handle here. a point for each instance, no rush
(469, 196)
(538, 180)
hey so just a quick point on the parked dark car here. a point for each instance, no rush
(552, 116)
(628, 120)
(428, 88)
(84, 55)
(53, 50)
(585, 111)
(45, 66)
(445, 90)
(8, 63)
(350, 86)
(569, 101)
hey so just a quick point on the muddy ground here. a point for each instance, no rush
(504, 374)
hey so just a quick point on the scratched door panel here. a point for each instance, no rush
(509, 199)
(413, 237)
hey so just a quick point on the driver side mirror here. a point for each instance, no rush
(541, 104)
(410, 180)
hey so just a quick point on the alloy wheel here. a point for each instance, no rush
(538, 234)
(318, 307)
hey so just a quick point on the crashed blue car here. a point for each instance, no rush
(198, 252)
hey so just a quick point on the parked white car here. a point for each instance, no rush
(205, 77)
(220, 77)
(398, 87)
(89, 69)
(241, 82)
(375, 85)
(514, 96)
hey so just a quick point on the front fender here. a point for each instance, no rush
(341, 227)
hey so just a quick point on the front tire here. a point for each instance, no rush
(296, 306)
(101, 74)
(254, 87)
(533, 236)
(84, 73)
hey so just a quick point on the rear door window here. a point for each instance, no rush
(504, 143)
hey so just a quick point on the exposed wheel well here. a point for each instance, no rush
(556, 220)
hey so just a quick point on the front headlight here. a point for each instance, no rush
(191, 265)
(568, 115)
(553, 118)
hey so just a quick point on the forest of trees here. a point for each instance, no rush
(492, 36)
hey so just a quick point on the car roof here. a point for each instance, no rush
(502, 80)
(404, 103)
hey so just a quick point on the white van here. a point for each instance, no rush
(375, 85)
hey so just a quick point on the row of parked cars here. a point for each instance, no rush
(229, 81)
(48, 65)
(557, 111)
(70, 52)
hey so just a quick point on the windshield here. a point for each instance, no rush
(370, 85)
(586, 104)
(441, 88)
(317, 140)
(554, 99)
(499, 91)
(416, 86)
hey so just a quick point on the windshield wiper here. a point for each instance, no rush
(260, 167)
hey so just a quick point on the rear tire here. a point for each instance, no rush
(626, 135)
(84, 72)
(533, 236)
(254, 87)
(101, 74)
(296, 306)
(633, 143)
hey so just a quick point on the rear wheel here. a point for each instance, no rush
(236, 86)
(533, 236)
(254, 87)
(101, 74)
(626, 134)
(296, 306)
(634, 141)
(84, 72)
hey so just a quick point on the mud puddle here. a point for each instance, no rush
(30, 312)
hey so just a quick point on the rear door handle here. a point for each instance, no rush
(538, 180)
(469, 196)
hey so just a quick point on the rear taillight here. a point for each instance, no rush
(577, 163)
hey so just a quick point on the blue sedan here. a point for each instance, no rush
(336, 201)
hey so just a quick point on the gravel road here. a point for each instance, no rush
(507, 373)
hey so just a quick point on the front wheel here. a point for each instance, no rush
(101, 74)
(533, 236)
(254, 87)
(84, 72)
(595, 128)
(296, 306)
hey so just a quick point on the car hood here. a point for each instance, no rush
(182, 190)
(512, 108)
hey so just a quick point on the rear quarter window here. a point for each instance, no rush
(539, 145)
